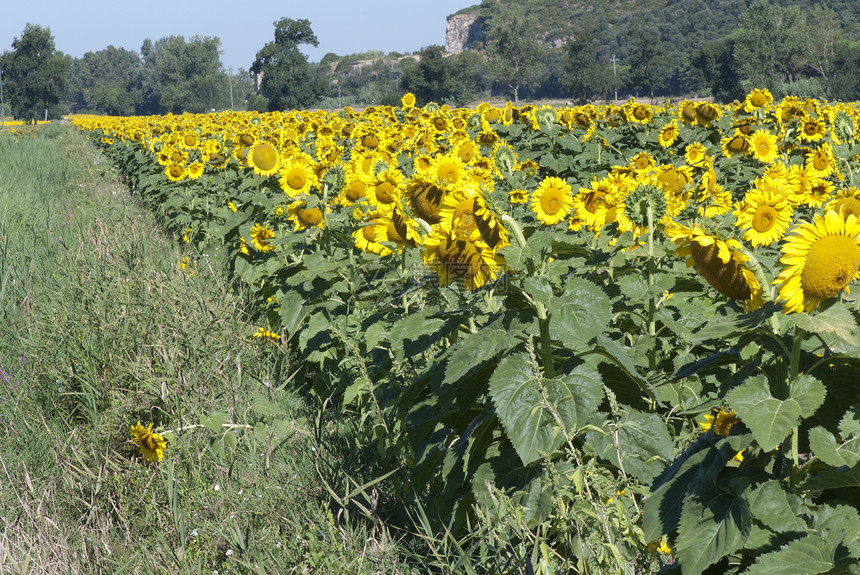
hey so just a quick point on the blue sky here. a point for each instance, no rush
(342, 27)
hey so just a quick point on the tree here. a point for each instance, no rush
(514, 54)
(288, 81)
(649, 63)
(430, 79)
(34, 74)
(584, 75)
(770, 46)
(180, 76)
(716, 66)
(105, 82)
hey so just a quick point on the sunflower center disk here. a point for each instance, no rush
(831, 263)
(764, 219)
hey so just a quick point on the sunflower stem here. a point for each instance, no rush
(545, 344)
(793, 372)
(652, 304)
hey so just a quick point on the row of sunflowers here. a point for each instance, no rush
(631, 322)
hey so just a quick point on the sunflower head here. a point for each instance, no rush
(820, 259)
(152, 445)
(552, 201)
(640, 200)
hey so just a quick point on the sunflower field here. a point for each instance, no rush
(621, 336)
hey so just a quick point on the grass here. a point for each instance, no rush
(101, 327)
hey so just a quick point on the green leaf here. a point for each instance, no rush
(472, 350)
(580, 314)
(850, 424)
(642, 441)
(834, 479)
(769, 419)
(808, 392)
(663, 507)
(836, 320)
(807, 556)
(265, 407)
(518, 390)
(214, 421)
(777, 508)
(293, 312)
(715, 522)
(824, 445)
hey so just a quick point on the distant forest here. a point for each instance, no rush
(524, 50)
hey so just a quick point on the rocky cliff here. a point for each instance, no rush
(462, 30)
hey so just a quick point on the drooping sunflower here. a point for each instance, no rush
(720, 262)
(764, 217)
(707, 113)
(260, 238)
(152, 445)
(424, 197)
(263, 158)
(820, 259)
(552, 200)
(455, 254)
(763, 146)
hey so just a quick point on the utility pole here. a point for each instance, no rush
(2, 107)
(614, 78)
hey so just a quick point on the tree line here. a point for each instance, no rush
(687, 48)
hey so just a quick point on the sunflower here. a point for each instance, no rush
(763, 146)
(720, 420)
(695, 154)
(720, 262)
(819, 193)
(736, 144)
(260, 236)
(408, 101)
(457, 208)
(765, 216)
(847, 202)
(424, 197)
(296, 176)
(760, 98)
(813, 130)
(354, 190)
(642, 162)
(596, 206)
(152, 445)
(668, 134)
(195, 170)
(552, 201)
(386, 189)
(455, 254)
(176, 172)
(639, 113)
(263, 158)
(820, 259)
(448, 169)
(365, 240)
(821, 161)
(707, 113)
(304, 217)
